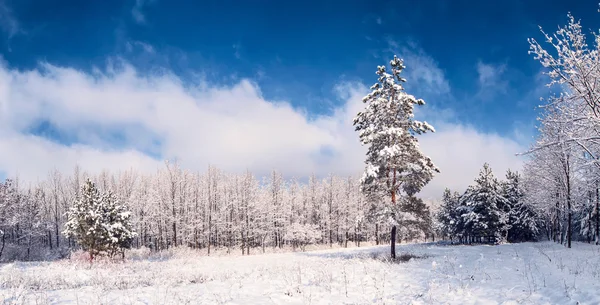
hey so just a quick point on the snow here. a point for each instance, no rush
(528, 273)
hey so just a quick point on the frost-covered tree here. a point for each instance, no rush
(558, 150)
(394, 161)
(8, 211)
(30, 219)
(570, 124)
(573, 65)
(301, 235)
(544, 190)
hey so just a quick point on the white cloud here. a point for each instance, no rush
(460, 152)
(232, 127)
(44, 155)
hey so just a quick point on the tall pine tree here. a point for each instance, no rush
(117, 221)
(394, 161)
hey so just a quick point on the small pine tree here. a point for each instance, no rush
(117, 221)
(99, 223)
(522, 217)
(85, 221)
(482, 207)
(448, 215)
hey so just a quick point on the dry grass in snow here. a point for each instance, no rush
(529, 273)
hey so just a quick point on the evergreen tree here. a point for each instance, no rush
(416, 221)
(99, 223)
(522, 217)
(394, 161)
(448, 216)
(117, 221)
(86, 221)
(482, 207)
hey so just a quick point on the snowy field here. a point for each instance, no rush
(530, 273)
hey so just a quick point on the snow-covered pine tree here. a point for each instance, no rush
(448, 215)
(85, 221)
(394, 161)
(416, 219)
(482, 207)
(117, 221)
(522, 217)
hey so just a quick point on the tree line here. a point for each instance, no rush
(175, 207)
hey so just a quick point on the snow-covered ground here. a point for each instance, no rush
(529, 273)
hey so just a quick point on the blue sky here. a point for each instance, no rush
(467, 59)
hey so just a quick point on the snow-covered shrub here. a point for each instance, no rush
(300, 235)
(142, 253)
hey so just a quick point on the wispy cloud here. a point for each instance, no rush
(137, 10)
(491, 79)
(9, 24)
(131, 45)
(237, 48)
(422, 71)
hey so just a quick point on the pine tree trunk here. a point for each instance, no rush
(393, 242)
